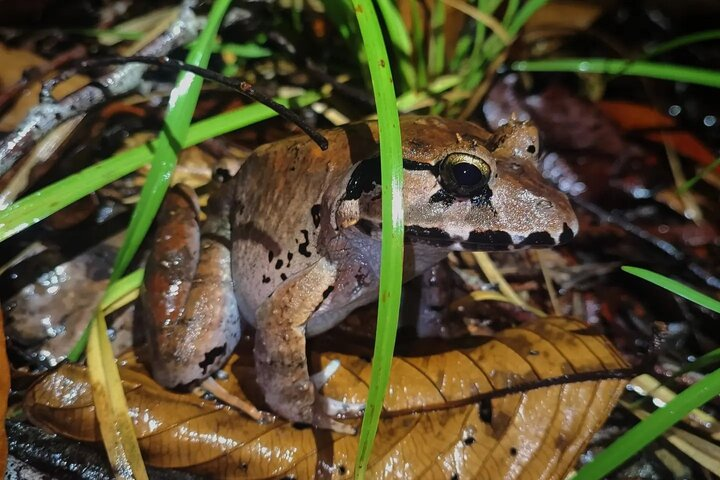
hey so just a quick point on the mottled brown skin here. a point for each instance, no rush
(306, 224)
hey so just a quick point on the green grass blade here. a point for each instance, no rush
(675, 410)
(709, 359)
(675, 287)
(43, 203)
(697, 37)
(700, 175)
(391, 255)
(117, 290)
(510, 10)
(475, 70)
(651, 428)
(494, 45)
(662, 71)
(418, 38)
(401, 43)
(181, 106)
(436, 48)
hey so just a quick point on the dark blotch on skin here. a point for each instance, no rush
(442, 196)
(365, 226)
(539, 239)
(328, 291)
(289, 257)
(485, 410)
(412, 165)
(283, 277)
(435, 235)
(489, 239)
(364, 178)
(211, 356)
(566, 235)
(302, 248)
(271, 255)
(278, 264)
(482, 199)
(315, 212)
(265, 279)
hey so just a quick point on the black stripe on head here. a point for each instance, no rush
(566, 235)
(538, 239)
(488, 240)
(433, 236)
(366, 176)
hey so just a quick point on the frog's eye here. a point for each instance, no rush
(464, 175)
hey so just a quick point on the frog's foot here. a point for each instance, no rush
(210, 385)
(327, 409)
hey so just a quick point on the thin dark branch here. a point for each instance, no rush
(235, 84)
(46, 116)
(666, 247)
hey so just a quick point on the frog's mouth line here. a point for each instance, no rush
(488, 240)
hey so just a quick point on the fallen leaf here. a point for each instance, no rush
(14, 62)
(656, 127)
(445, 413)
(4, 392)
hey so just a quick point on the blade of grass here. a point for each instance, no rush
(43, 203)
(510, 10)
(651, 428)
(697, 37)
(181, 106)
(436, 47)
(494, 45)
(662, 71)
(700, 175)
(418, 38)
(401, 44)
(675, 287)
(675, 410)
(114, 292)
(111, 410)
(391, 254)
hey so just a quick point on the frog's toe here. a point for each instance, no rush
(320, 378)
(219, 392)
(337, 408)
(327, 423)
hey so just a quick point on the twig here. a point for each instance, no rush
(46, 116)
(236, 84)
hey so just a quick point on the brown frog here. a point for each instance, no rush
(293, 245)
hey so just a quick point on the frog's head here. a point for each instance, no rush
(465, 189)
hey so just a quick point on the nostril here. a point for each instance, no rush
(544, 204)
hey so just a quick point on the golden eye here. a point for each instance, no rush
(464, 175)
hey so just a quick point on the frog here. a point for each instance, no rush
(292, 243)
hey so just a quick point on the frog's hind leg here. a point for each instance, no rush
(280, 348)
(191, 315)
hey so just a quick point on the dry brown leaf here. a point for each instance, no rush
(436, 424)
(14, 62)
(4, 392)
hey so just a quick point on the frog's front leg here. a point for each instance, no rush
(280, 354)
(433, 293)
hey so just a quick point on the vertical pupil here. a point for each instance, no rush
(467, 174)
